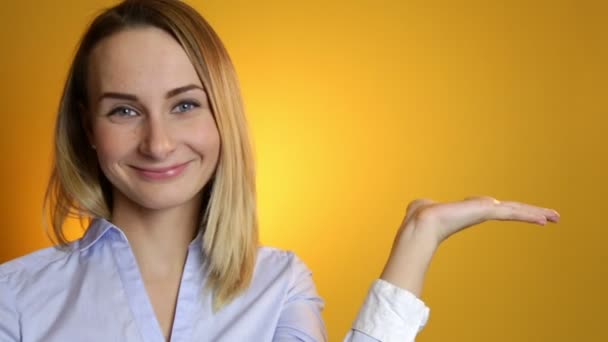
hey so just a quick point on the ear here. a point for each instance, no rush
(86, 123)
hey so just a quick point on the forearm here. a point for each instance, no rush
(409, 260)
(393, 310)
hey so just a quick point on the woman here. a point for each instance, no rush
(151, 145)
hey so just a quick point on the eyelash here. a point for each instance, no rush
(117, 110)
(192, 104)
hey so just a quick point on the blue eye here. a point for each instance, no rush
(123, 112)
(185, 106)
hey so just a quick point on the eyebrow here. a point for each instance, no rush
(171, 93)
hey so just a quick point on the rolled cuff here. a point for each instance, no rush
(391, 314)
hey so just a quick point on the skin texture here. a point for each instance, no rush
(147, 112)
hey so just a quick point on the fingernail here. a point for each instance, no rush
(555, 216)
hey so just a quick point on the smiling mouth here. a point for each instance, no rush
(161, 173)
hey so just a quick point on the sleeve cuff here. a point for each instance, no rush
(391, 314)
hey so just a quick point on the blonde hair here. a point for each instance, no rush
(77, 187)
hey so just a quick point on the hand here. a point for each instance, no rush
(441, 220)
(428, 223)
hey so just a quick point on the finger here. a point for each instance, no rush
(542, 214)
(449, 218)
(548, 214)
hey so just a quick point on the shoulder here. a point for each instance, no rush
(34, 261)
(275, 255)
(19, 272)
(52, 263)
(278, 259)
(285, 267)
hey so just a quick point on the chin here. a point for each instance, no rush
(164, 200)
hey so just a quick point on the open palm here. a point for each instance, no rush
(426, 216)
(428, 223)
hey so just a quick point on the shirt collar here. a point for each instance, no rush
(97, 229)
(100, 227)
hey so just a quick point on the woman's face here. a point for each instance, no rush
(150, 120)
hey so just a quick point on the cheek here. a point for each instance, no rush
(111, 143)
(205, 137)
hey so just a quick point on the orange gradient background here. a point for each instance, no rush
(359, 107)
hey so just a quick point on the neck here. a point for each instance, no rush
(159, 238)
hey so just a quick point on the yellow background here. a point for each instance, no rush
(357, 108)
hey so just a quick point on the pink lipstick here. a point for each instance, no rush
(161, 173)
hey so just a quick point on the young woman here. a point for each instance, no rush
(151, 145)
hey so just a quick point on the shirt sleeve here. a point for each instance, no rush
(389, 314)
(300, 319)
(9, 318)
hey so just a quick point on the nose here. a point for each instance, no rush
(157, 142)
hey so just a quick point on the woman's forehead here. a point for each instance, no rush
(141, 58)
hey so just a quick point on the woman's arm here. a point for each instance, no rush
(425, 226)
(392, 310)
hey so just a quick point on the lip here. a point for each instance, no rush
(161, 173)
